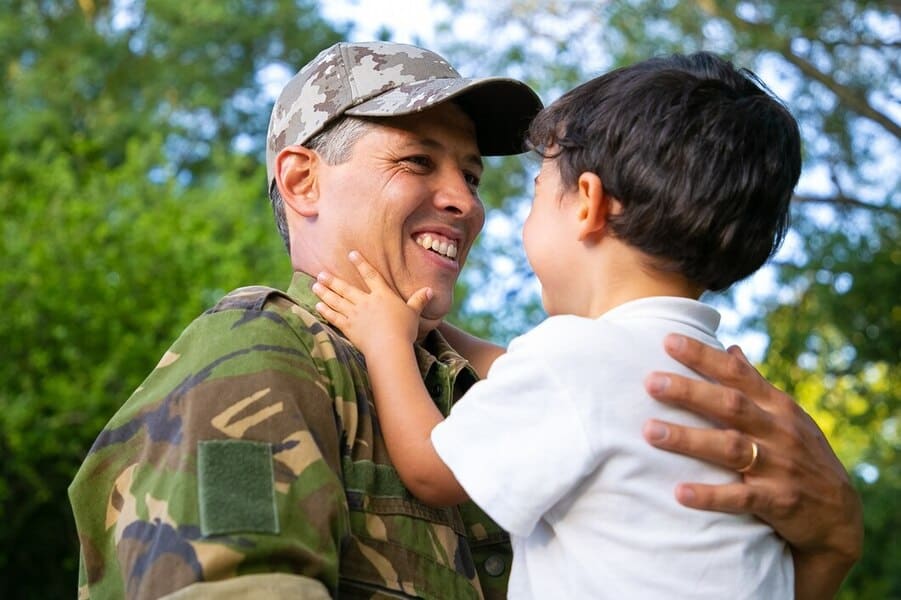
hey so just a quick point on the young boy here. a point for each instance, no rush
(659, 181)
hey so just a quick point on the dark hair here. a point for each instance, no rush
(702, 157)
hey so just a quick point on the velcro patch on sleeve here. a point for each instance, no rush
(236, 487)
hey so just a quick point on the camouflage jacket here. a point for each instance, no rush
(253, 450)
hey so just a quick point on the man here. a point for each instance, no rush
(250, 462)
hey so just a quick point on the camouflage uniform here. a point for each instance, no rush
(254, 448)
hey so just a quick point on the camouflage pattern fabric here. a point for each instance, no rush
(253, 449)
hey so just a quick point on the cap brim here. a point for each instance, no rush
(501, 108)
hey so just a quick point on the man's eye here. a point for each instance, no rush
(419, 160)
(473, 179)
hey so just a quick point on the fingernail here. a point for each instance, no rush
(655, 432)
(353, 255)
(321, 276)
(658, 383)
(685, 494)
(674, 342)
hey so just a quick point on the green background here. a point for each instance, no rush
(132, 196)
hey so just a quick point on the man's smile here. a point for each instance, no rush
(438, 243)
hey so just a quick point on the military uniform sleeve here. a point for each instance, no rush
(225, 463)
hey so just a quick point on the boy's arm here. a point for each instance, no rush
(480, 353)
(407, 416)
(384, 328)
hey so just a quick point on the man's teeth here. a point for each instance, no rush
(442, 247)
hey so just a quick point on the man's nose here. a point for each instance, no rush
(458, 196)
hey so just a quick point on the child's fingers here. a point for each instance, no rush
(370, 276)
(331, 315)
(335, 301)
(339, 287)
(419, 299)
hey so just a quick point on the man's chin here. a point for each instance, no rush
(429, 319)
(436, 309)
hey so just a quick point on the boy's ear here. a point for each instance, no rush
(296, 173)
(595, 205)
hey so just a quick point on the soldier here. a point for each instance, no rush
(250, 463)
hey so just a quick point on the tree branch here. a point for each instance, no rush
(846, 95)
(843, 201)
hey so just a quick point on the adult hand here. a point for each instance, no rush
(791, 478)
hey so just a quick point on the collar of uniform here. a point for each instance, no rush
(433, 349)
(301, 291)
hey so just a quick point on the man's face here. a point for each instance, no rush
(407, 200)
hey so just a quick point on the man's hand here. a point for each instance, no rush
(795, 482)
(369, 319)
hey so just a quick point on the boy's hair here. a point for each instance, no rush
(702, 157)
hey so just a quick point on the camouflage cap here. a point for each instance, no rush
(384, 79)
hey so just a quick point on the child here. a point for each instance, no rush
(659, 181)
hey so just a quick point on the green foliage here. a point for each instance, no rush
(126, 210)
(834, 345)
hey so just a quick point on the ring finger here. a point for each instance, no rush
(724, 447)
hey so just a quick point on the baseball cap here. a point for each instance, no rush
(385, 79)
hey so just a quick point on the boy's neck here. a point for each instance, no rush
(625, 274)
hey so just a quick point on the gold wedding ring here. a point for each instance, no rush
(754, 454)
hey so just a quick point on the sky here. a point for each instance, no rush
(416, 19)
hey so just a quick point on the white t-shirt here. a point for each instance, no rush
(550, 446)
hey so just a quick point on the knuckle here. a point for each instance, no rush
(791, 463)
(734, 369)
(794, 435)
(734, 447)
(787, 503)
(732, 404)
(744, 499)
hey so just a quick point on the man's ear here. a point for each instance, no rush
(296, 169)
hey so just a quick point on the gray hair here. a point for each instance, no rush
(333, 145)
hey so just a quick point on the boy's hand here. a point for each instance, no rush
(370, 320)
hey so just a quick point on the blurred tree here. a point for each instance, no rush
(834, 345)
(832, 315)
(132, 196)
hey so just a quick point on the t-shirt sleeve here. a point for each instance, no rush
(515, 441)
